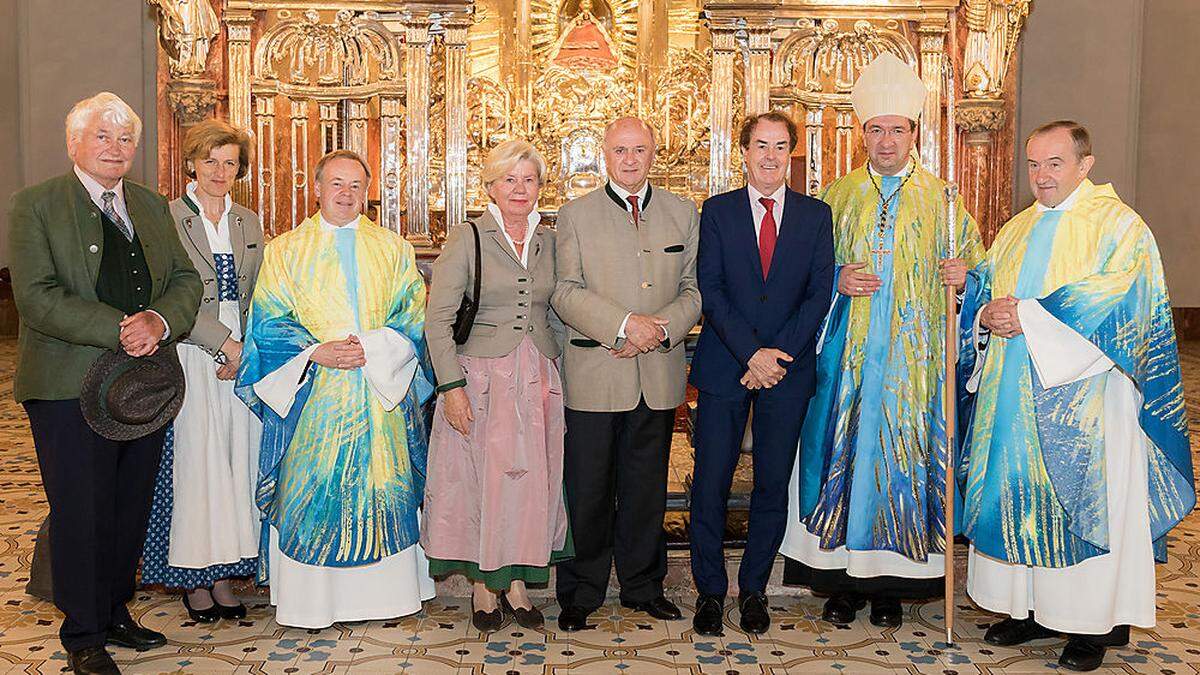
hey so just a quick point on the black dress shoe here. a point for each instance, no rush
(92, 661)
(1010, 632)
(233, 612)
(206, 615)
(573, 618)
(1081, 654)
(840, 609)
(530, 617)
(129, 634)
(886, 612)
(486, 622)
(755, 619)
(659, 608)
(710, 615)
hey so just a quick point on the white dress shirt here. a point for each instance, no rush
(626, 194)
(758, 211)
(641, 195)
(96, 191)
(533, 219)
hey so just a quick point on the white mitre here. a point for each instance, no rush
(888, 86)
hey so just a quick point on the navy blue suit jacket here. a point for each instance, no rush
(742, 312)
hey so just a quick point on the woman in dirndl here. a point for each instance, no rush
(494, 508)
(204, 525)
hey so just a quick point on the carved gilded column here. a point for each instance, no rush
(357, 113)
(237, 31)
(416, 59)
(980, 170)
(391, 113)
(758, 74)
(456, 120)
(298, 135)
(845, 141)
(933, 56)
(724, 46)
(814, 125)
(993, 29)
(264, 137)
(652, 49)
(328, 125)
(523, 73)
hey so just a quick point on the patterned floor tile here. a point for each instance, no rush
(440, 639)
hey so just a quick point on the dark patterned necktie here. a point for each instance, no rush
(766, 236)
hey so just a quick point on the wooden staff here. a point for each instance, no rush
(950, 387)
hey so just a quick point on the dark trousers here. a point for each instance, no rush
(615, 473)
(720, 427)
(99, 493)
(838, 582)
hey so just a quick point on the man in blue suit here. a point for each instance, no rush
(765, 271)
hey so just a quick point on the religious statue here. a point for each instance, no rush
(993, 28)
(188, 28)
(585, 43)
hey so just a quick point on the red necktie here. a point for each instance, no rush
(766, 235)
(633, 200)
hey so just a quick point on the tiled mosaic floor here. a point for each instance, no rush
(441, 640)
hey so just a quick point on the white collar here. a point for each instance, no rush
(1066, 203)
(326, 225)
(96, 190)
(625, 194)
(191, 191)
(533, 219)
(900, 174)
(755, 195)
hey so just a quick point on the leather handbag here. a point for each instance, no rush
(465, 318)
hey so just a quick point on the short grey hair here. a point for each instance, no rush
(342, 154)
(109, 107)
(507, 155)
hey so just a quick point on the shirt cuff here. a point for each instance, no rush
(166, 326)
(621, 330)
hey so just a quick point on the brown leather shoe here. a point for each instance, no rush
(92, 661)
(530, 618)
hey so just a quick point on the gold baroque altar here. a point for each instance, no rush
(425, 89)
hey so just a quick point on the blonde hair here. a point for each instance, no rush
(505, 156)
(209, 135)
(110, 108)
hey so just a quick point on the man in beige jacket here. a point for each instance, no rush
(626, 264)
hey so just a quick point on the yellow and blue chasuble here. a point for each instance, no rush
(873, 446)
(1036, 492)
(340, 477)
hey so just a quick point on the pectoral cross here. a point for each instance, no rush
(879, 251)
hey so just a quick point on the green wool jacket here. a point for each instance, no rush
(56, 242)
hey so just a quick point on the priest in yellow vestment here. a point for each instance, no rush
(333, 365)
(1078, 461)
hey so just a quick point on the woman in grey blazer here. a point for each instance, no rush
(494, 507)
(204, 524)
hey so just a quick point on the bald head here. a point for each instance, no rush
(628, 152)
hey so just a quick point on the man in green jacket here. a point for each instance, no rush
(96, 266)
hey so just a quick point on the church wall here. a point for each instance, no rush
(1080, 60)
(1130, 71)
(51, 55)
(10, 118)
(1168, 144)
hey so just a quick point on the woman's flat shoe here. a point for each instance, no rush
(232, 612)
(486, 622)
(526, 618)
(206, 615)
